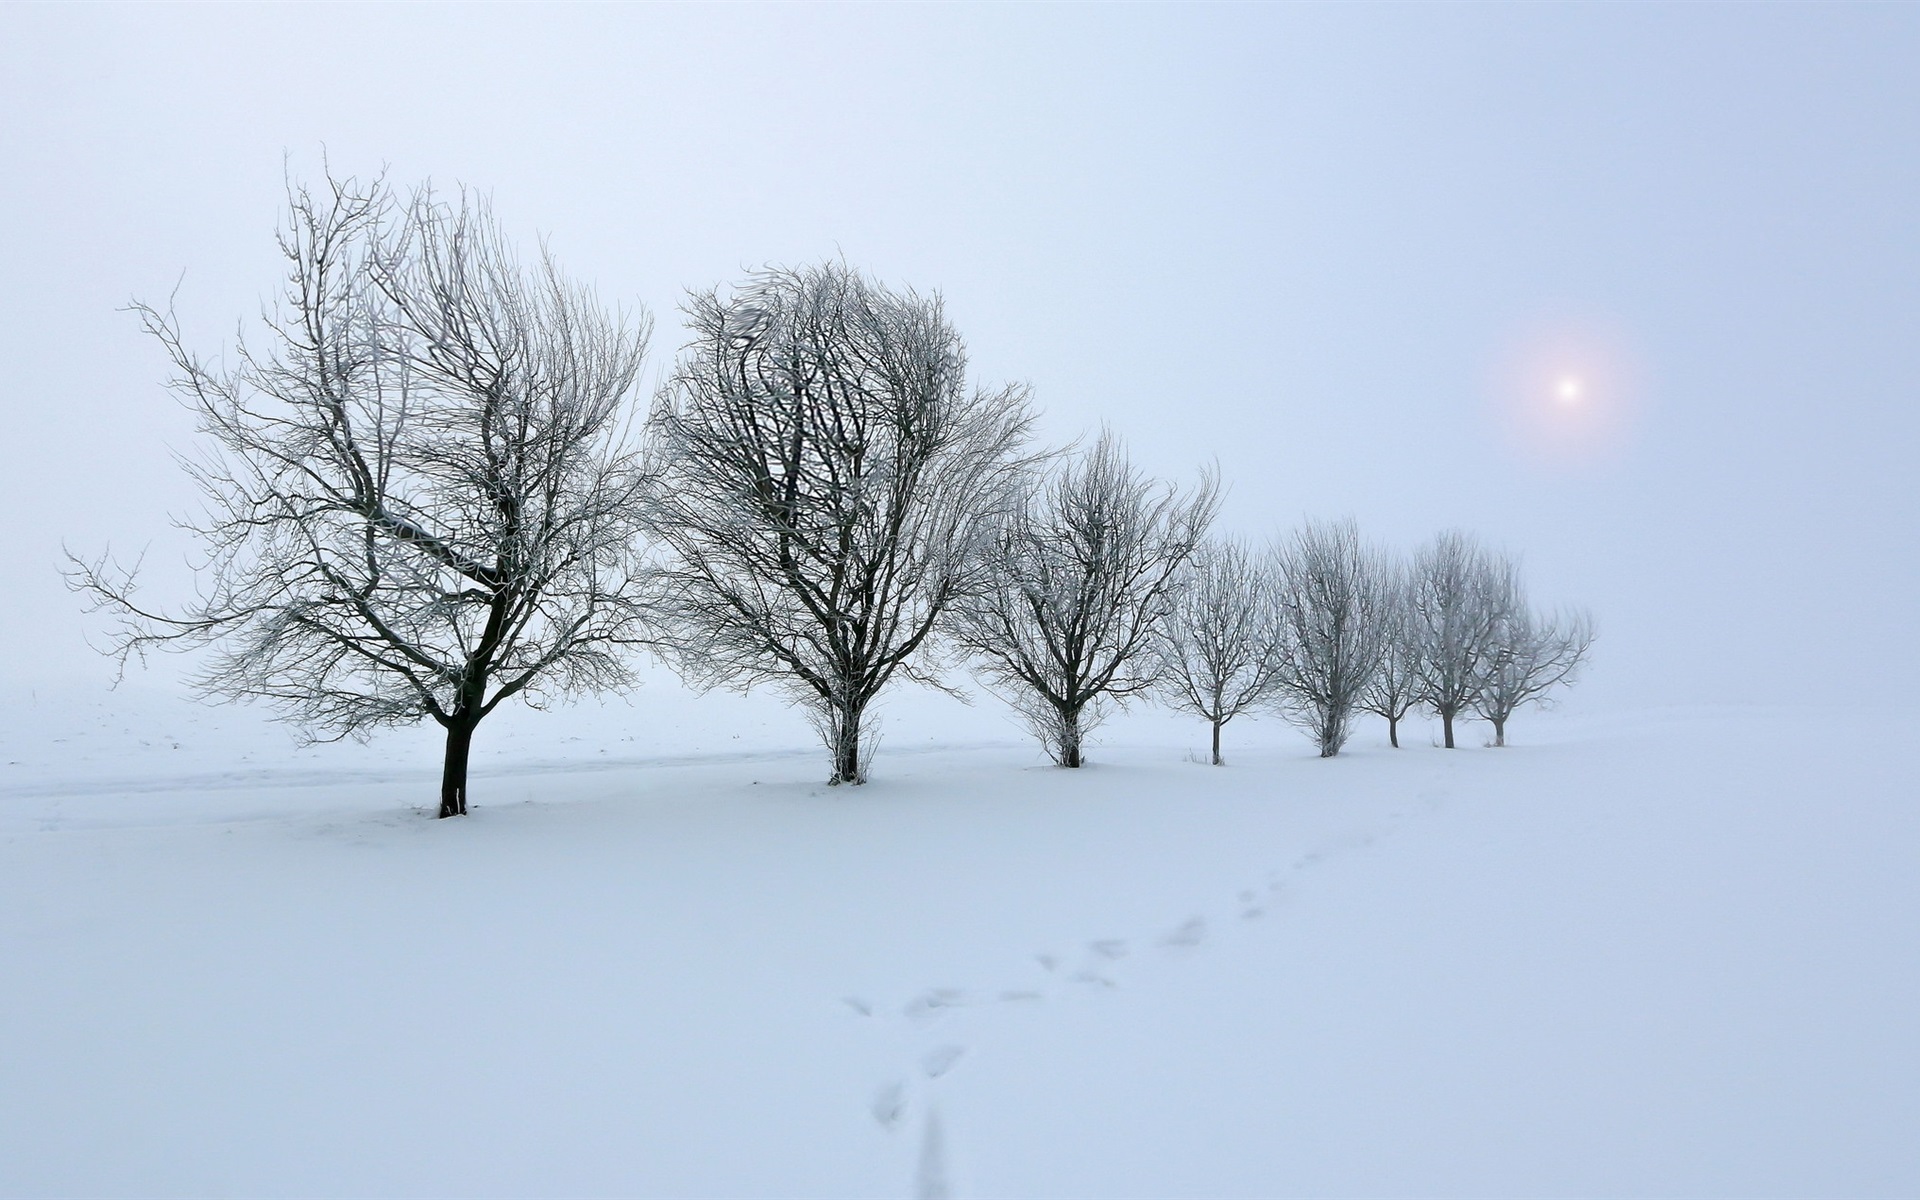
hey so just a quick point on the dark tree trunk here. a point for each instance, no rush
(1329, 736)
(453, 776)
(1446, 723)
(1393, 730)
(1070, 739)
(1216, 743)
(1499, 731)
(847, 767)
(846, 756)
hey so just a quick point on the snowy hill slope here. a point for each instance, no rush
(1666, 954)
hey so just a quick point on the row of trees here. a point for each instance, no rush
(1325, 627)
(431, 488)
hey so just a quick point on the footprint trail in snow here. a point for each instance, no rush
(934, 1049)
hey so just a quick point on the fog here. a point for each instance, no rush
(1631, 291)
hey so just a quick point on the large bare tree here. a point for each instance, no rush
(421, 492)
(1332, 594)
(828, 482)
(1460, 592)
(1395, 687)
(1532, 655)
(1221, 647)
(1081, 576)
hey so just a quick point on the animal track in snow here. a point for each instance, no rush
(889, 1105)
(931, 1003)
(1188, 935)
(1099, 966)
(938, 1062)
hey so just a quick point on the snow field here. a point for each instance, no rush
(1661, 954)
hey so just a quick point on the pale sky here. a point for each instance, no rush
(1632, 290)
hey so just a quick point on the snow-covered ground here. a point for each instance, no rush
(1664, 953)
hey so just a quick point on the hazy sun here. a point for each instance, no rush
(1566, 394)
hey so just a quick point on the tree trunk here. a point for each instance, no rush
(1499, 731)
(1393, 730)
(453, 776)
(1446, 723)
(846, 758)
(846, 748)
(1216, 743)
(1070, 738)
(1330, 735)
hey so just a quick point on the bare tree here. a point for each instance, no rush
(1331, 596)
(1220, 647)
(828, 482)
(1532, 655)
(1394, 689)
(1080, 578)
(1459, 593)
(420, 497)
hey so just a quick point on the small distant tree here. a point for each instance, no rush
(1532, 655)
(421, 496)
(1459, 594)
(1220, 646)
(829, 483)
(1393, 690)
(1080, 578)
(1332, 592)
